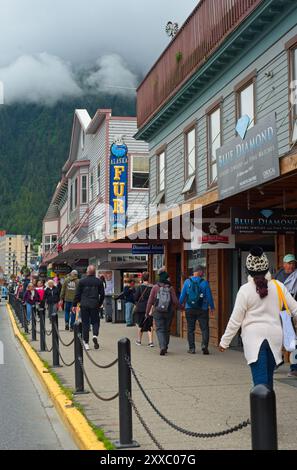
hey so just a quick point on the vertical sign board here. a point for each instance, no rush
(118, 185)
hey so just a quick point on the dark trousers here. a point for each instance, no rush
(89, 316)
(263, 369)
(163, 323)
(192, 315)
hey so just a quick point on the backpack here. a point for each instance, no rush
(163, 299)
(194, 294)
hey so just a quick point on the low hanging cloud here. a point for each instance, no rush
(46, 79)
(112, 76)
(40, 79)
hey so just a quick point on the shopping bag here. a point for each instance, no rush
(289, 335)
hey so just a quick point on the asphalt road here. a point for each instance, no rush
(28, 419)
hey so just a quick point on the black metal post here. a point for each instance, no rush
(125, 387)
(55, 339)
(25, 321)
(263, 418)
(78, 356)
(33, 323)
(42, 329)
(26, 256)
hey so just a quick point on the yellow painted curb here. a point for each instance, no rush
(77, 424)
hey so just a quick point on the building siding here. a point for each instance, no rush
(271, 97)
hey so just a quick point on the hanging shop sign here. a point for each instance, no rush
(264, 221)
(249, 162)
(118, 192)
(146, 249)
(216, 234)
(61, 268)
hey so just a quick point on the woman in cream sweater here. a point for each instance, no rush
(257, 313)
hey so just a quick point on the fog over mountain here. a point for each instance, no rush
(52, 49)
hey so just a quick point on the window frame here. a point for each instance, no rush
(217, 106)
(291, 47)
(98, 175)
(249, 80)
(71, 196)
(186, 150)
(84, 189)
(144, 172)
(190, 176)
(92, 185)
(75, 201)
(159, 189)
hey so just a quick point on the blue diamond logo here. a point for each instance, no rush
(243, 125)
(267, 213)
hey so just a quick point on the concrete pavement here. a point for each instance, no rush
(28, 418)
(200, 393)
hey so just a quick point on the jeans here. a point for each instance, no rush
(129, 313)
(163, 323)
(263, 369)
(192, 315)
(69, 315)
(52, 309)
(29, 311)
(89, 316)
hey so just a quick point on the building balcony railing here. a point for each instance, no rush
(202, 33)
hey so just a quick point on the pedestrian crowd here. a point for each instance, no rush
(264, 309)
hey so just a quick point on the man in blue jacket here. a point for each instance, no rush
(197, 298)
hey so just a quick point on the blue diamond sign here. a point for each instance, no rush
(243, 125)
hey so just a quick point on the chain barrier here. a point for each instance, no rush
(93, 361)
(67, 364)
(200, 435)
(92, 388)
(64, 344)
(140, 418)
(46, 348)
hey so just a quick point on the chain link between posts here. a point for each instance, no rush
(200, 435)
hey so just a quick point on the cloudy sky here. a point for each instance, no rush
(44, 42)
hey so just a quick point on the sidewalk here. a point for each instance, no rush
(199, 393)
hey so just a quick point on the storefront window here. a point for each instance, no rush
(197, 257)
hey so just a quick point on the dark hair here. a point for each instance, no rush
(145, 276)
(261, 285)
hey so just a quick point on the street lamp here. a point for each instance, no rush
(26, 243)
(13, 263)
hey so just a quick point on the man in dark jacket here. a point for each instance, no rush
(90, 296)
(51, 298)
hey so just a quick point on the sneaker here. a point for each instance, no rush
(205, 351)
(138, 342)
(95, 341)
(71, 329)
(191, 351)
(87, 347)
(151, 345)
(67, 327)
(162, 352)
(293, 374)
